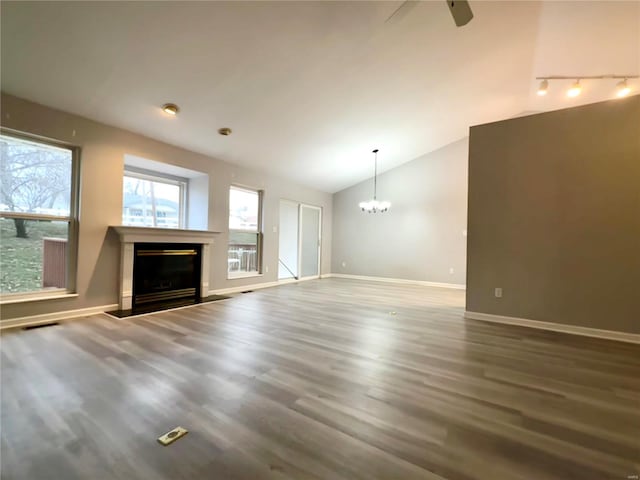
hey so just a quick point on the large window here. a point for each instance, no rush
(38, 212)
(152, 200)
(245, 237)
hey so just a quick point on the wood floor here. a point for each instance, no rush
(332, 379)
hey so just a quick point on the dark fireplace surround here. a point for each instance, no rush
(165, 272)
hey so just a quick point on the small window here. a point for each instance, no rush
(153, 200)
(38, 216)
(245, 237)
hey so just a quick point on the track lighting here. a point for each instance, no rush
(575, 89)
(542, 89)
(623, 88)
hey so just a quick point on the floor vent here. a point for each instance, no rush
(173, 435)
(42, 325)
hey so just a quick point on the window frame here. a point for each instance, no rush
(72, 219)
(258, 232)
(159, 177)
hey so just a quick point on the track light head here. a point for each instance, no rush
(542, 89)
(575, 89)
(623, 88)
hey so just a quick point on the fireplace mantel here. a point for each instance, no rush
(132, 235)
(163, 235)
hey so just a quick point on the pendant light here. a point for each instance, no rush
(374, 206)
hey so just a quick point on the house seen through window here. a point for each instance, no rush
(153, 201)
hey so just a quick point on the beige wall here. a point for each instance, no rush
(102, 164)
(554, 216)
(421, 236)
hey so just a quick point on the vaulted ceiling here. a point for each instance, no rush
(310, 88)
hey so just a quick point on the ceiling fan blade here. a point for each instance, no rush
(461, 11)
(402, 11)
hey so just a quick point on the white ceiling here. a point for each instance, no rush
(310, 88)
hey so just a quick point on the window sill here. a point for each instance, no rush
(235, 276)
(36, 297)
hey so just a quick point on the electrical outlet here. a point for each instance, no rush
(344, 264)
(451, 271)
(266, 269)
(275, 229)
(498, 292)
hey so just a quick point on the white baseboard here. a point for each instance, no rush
(404, 281)
(256, 286)
(555, 327)
(54, 316)
(34, 320)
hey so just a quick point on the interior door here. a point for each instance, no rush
(310, 237)
(288, 240)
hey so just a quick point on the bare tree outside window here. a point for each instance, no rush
(34, 179)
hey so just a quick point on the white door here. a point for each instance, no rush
(310, 237)
(288, 240)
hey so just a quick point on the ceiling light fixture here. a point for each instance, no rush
(623, 88)
(170, 109)
(575, 89)
(542, 89)
(374, 206)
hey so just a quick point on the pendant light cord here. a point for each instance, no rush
(375, 174)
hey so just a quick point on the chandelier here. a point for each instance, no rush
(374, 206)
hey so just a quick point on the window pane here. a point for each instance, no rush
(243, 209)
(35, 177)
(148, 203)
(243, 252)
(33, 254)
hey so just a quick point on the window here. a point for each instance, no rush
(38, 216)
(151, 200)
(245, 237)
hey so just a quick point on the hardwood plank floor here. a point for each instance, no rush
(331, 379)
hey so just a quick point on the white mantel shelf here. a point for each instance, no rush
(162, 235)
(129, 236)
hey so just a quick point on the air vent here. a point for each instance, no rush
(173, 435)
(42, 325)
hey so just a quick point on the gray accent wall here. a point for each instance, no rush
(554, 216)
(102, 164)
(422, 236)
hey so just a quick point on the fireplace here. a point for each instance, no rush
(160, 265)
(165, 271)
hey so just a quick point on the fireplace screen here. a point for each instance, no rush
(163, 272)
